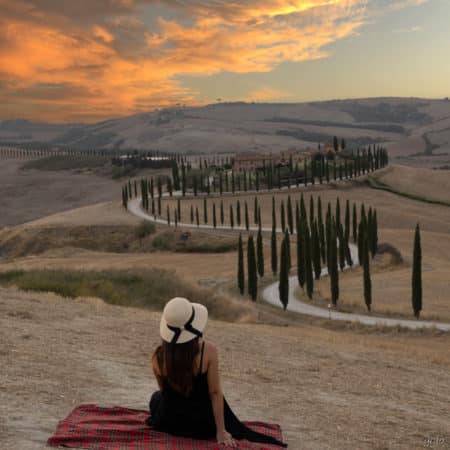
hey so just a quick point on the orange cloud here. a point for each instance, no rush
(83, 66)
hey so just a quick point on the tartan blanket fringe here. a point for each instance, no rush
(116, 428)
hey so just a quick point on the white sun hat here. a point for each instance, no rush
(182, 320)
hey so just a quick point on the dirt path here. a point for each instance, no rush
(329, 389)
(270, 293)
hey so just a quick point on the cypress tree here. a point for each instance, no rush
(260, 253)
(283, 286)
(338, 212)
(231, 217)
(417, 274)
(323, 244)
(222, 215)
(179, 208)
(369, 228)
(247, 222)
(333, 267)
(192, 214)
(251, 269)
(205, 210)
(290, 217)
(238, 213)
(241, 275)
(341, 239)
(288, 249)
(197, 216)
(274, 216)
(273, 245)
(175, 214)
(302, 207)
(159, 206)
(335, 144)
(347, 221)
(363, 214)
(300, 254)
(367, 281)
(168, 216)
(319, 210)
(374, 240)
(282, 217)
(315, 245)
(214, 216)
(308, 261)
(355, 224)
(255, 210)
(311, 212)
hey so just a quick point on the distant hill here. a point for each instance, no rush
(417, 128)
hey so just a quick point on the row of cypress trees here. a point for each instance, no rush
(269, 177)
(319, 243)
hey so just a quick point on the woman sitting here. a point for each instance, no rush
(190, 402)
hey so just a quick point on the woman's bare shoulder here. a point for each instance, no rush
(211, 350)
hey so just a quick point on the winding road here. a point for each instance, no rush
(270, 293)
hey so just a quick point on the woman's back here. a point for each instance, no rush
(187, 415)
(192, 415)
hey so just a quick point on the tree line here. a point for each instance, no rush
(322, 244)
(210, 179)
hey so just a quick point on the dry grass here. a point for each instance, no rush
(142, 238)
(328, 388)
(427, 183)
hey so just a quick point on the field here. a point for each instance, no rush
(330, 385)
(329, 388)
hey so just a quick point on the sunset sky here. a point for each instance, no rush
(89, 60)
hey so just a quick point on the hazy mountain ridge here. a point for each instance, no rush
(401, 123)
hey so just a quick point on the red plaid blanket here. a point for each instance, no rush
(96, 428)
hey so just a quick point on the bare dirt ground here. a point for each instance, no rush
(328, 388)
(31, 194)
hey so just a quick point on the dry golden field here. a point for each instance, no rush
(329, 386)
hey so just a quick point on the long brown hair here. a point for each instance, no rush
(176, 363)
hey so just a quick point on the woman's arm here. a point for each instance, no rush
(216, 395)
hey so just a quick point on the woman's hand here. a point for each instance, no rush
(223, 437)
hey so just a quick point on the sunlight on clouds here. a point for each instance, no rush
(120, 65)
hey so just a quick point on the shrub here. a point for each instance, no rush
(144, 229)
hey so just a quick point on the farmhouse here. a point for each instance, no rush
(254, 161)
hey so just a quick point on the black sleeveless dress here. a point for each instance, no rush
(193, 416)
